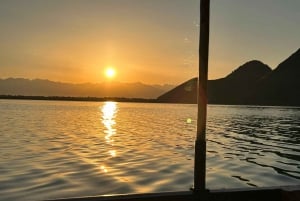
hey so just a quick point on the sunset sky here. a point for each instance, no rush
(149, 41)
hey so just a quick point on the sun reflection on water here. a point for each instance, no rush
(113, 153)
(104, 169)
(109, 110)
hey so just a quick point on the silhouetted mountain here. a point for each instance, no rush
(184, 93)
(229, 90)
(38, 87)
(282, 86)
(252, 70)
(236, 87)
(251, 83)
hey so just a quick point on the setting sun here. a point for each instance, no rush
(110, 72)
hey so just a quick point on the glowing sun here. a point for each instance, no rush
(110, 72)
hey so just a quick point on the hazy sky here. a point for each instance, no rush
(149, 41)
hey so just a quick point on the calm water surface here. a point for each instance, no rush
(54, 149)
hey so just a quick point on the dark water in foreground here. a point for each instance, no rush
(58, 149)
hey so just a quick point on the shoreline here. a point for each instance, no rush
(122, 99)
(71, 98)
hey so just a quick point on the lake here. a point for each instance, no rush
(55, 149)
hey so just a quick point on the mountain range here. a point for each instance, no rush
(253, 83)
(39, 87)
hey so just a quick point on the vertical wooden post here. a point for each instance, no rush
(200, 144)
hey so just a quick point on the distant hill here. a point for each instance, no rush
(38, 87)
(251, 83)
(184, 93)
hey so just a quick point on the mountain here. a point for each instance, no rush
(229, 90)
(237, 86)
(38, 87)
(252, 83)
(282, 86)
(184, 93)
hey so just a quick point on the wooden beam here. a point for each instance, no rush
(200, 144)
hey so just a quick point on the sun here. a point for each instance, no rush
(110, 72)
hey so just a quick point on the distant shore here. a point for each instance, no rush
(116, 99)
(70, 98)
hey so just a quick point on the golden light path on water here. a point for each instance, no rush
(109, 110)
(59, 149)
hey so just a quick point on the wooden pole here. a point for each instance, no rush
(200, 144)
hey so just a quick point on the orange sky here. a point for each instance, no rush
(154, 42)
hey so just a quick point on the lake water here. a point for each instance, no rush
(55, 149)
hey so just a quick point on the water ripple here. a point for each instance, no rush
(69, 149)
